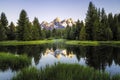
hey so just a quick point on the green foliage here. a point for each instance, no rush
(90, 20)
(98, 26)
(11, 32)
(15, 62)
(108, 34)
(36, 34)
(62, 71)
(92, 43)
(9, 43)
(3, 27)
(24, 28)
(116, 77)
(83, 33)
(3, 35)
(4, 21)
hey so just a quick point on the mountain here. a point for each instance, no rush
(57, 23)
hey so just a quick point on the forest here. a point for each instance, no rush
(97, 26)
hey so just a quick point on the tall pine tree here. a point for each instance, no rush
(37, 34)
(23, 29)
(11, 31)
(3, 27)
(90, 21)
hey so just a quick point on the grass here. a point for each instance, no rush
(69, 42)
(12, 43)
(63, 71)
(15, 62)
(92, 43)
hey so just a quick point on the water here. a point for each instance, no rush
(103, 58)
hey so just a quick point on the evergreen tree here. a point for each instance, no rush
(48, 33)
(110, 22)
(36, 30)
(54, 32)
(116, 27)
(43, 33)
(27, 36)
(90, 21)
(108, 33)
(82, 33)
(68, 29)
(3, 27)
(78, 28)
(3, 35)
(104, 24)
(23, 29)
(11, 31)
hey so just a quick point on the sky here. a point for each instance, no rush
(48, 10)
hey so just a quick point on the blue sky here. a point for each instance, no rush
(50, 9)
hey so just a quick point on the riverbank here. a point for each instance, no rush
(68, 42)
(62, 71)
(36, 42)
(92, 43)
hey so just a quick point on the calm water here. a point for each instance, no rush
(103, 58)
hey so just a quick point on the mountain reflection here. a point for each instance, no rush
(98, 57)
(58, 53)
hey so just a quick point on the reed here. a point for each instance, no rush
(15, 62)
(62, 71)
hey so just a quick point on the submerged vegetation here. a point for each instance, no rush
(62, 71)
(15, 62)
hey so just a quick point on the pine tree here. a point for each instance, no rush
(116, 27)
(68, 29)
(11, 31)
(110, 22)
(36, 30)
(82, 33)
(108, 33)
(54, 32)
(90, 21)
(23, 29)
(27, 34)
(43, 31)
(3, 27)
(78, 28)
(3, 35)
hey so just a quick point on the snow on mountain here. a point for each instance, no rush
(57, 23)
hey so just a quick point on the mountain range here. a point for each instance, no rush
(57, 23)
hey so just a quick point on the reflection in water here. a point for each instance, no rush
(6, 75)
(58, 53)
(105, 58)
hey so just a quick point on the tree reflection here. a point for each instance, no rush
(97, 57)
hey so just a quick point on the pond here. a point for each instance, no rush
(102, 58)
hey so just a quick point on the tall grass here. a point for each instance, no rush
(12, 61)
(63, 72)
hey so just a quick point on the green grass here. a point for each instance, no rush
(15, 62)
(69, 42)
(63, 71)
(36, 42)
(92, 43)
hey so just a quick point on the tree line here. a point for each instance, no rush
(97, 26)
